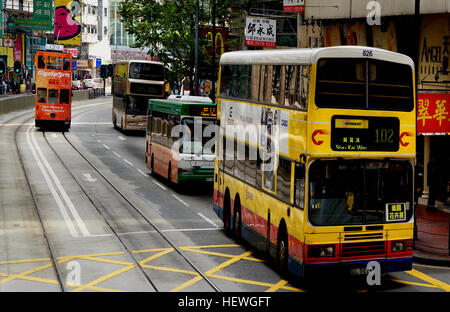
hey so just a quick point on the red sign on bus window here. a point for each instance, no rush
(433, 113)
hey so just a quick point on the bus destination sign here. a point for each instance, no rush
(203, 110)
(362, 134)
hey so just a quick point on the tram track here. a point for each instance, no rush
(51, 247)
(134, 207)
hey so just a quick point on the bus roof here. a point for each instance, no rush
(310, 56)
(177, 107)
(139, 61)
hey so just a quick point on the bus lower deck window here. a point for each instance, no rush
(52, 96)
(42, 95)
(64, 96)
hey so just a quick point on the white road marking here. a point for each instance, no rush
(128, 162)
(51, 180)
(117, 154)
(180, 200)
(89, 178)
(208, 220)
(142, 172)
(106, 146)
(160, 185)
(121, 138)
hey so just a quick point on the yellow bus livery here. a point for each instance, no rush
(315, 156)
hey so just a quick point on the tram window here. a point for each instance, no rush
(284, 180)
(64, 96)
(52, 96)
(267, 84)
(42, 95)
(66, 64)
(299, 185)
(304, 87)
(41, 62)
(54, 63)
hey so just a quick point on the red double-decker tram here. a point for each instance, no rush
(53, 89)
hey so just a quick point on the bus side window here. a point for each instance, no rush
(299, 186)
(256, 72)
(284, 179)
(225, 80)
(42, 95)
(64, 96)
(41, 62)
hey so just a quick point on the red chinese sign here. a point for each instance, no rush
(433, 113)
(293, 6)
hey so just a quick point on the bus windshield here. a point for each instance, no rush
(196, 126)
(364, 84)
(343, 192)
(146, 71)
(137, 105)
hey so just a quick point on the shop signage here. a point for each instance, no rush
(433, 113)
(260, 32)
(82, 63)
(293, 6)
(74, 52)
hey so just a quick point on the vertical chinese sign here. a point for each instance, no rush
(43, 14)
(260, 32)
(433, 113)
(68, 22)
(293, 6)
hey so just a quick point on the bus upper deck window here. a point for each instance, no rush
(42, 95)
(52, 96)
(41, 62)
(66, 64)
(54, 62)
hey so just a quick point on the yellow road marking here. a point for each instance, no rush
(413, 283)
(277, 286)
(103, 278)
(22, 274)
(156, 256)
(429, 279)
(212, 271)
(219, 254)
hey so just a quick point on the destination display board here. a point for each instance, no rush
(203, 110)
(361, 134)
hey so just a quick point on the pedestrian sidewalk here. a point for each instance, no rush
(432, 239)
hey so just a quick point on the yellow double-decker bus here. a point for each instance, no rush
(134, 83)
(315, 156)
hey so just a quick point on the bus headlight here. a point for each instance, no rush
(397, 246)
(321, 251)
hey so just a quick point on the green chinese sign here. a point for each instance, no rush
(1, 18)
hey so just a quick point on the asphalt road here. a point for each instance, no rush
(81, 213)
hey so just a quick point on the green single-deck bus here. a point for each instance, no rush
(180, 138)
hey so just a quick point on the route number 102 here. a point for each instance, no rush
(384, 136)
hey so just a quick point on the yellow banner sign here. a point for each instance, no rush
(68, 22)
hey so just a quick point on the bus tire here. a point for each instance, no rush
(237, 223)
(227, 214)
(282, 250)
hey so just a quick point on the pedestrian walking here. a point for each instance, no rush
(433, 182)
(4, 87)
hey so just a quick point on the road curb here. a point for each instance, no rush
(431, 261)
